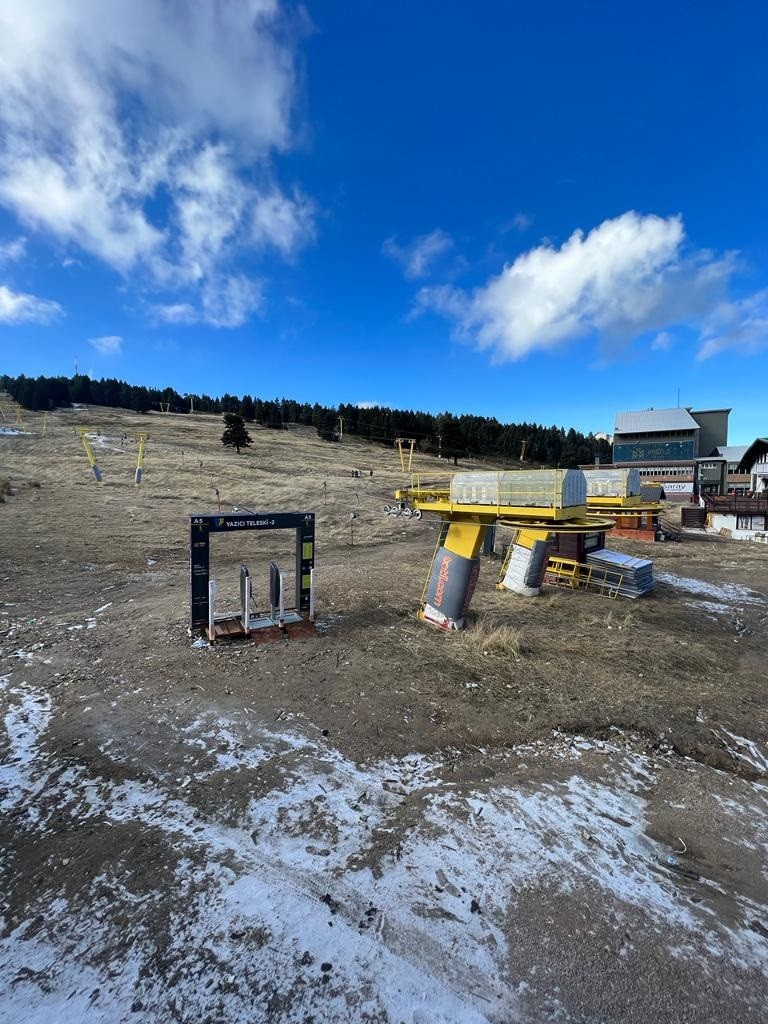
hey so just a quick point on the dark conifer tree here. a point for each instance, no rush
(235, 435)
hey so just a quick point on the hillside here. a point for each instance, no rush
(204, 830)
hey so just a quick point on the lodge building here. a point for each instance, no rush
(666, 446)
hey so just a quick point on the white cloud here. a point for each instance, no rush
(225, 301)
(662, 342)
(741, 325)
(625, 278)
(109, 345)
(175, 313)
(417, 256)
(229, 302)
(368, 405)
(144, 133)
(283, 223)
(20, 308)
(12, 252)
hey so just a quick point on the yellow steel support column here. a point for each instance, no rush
(465, 539)
(89, 452)
(399, 442)
(140, 459)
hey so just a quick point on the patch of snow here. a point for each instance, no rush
(743, 750)
(27, 656)
(99, 441)
(714, 607)
(728, 593)
(90, 623)
(24, 724)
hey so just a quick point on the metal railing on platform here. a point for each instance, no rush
(491, 490)
(573, 575)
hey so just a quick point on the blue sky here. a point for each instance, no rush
(541, 212)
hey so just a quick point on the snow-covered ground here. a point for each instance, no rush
(384, 891)
(717, 601)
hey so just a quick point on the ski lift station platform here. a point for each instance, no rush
(535, 503)
(618, 493)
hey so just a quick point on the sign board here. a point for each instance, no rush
(653, 451)
(202, 526)
(677, 488)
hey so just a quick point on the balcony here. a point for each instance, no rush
(737, 503)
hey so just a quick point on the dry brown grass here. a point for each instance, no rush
(618, 619)
(185, 463)
(489, 636)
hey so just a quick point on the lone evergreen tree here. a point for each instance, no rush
(235, 435)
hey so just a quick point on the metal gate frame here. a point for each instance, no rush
(202, 526)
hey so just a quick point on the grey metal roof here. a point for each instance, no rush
(732, 452)
(654, 420)
(756, 450)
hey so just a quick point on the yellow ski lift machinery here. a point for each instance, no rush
(536, 503)
(618, 493)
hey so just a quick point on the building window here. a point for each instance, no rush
(749, 522)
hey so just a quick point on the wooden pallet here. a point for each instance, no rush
(226, 629)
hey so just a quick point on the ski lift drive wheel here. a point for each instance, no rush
(387, 510)
(407, 512)
(417, 513)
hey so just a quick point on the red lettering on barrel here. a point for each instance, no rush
(442, 579)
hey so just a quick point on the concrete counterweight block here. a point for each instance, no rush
(526, 568)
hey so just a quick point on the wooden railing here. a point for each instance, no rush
(737, 503)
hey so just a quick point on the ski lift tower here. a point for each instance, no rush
(536, 503)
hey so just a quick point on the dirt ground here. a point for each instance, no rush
(558, 814)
